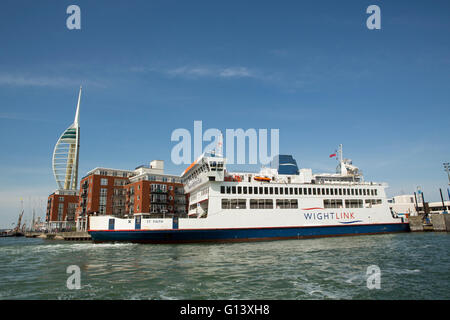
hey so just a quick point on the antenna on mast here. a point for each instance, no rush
(341, 157)
(219, 146)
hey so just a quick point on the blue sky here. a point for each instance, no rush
(309, 68)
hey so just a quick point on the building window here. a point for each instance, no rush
(104, 182)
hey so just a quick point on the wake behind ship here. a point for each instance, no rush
(281, 202)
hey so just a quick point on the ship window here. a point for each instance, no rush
(233, 190)
(296, 190)
(222, 189)
(309, 191)
(286, 190)
(332, 203)
(242, 203)
(245, 190)
(353, 192)
(266, 190)
(228, 189)
(271, 190)
(225, 204)
(250, 190)
(354, 203)
(336, 192)
(327, 191)
(294, 204)
(233, 204)
(331, 192)
(268, 204)
(364, 191)
(239, 190)
(340, 192)
(253, 204)
(314, 191)
(318, 191)
(291, 191)
(261, 190)
(255, 189)
(281, 190)
(276, 190)
(280, 204)
(261, 204)
(344, 191)
(300, 190)
(376, 191)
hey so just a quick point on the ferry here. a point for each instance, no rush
(279, 202)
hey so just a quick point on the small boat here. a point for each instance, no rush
(257, 178)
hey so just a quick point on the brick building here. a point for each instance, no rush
(61, 208)
(147, 189)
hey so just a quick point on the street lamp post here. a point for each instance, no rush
(447, 169)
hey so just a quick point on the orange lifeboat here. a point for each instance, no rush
(262, 179)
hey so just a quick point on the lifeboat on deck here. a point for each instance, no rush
(266, 179)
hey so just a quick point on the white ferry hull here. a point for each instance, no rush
(201, 230)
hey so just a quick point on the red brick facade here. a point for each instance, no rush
(61, 207)
(120, 193)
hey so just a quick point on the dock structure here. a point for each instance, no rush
(67, 236)
(438, 222)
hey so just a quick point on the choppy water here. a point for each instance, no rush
(413, 266)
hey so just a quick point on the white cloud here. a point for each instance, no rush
(199, 71)
(22, 80)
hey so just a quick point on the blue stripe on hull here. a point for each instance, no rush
(254, 234)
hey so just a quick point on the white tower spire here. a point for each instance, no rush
(77, 113)
(65, 154)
